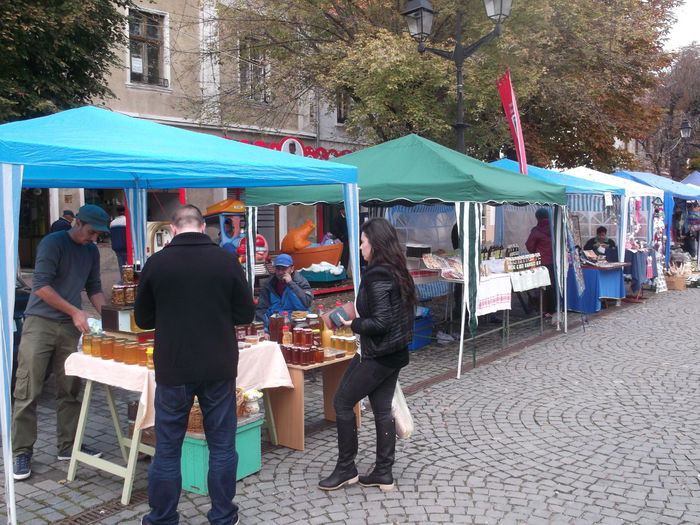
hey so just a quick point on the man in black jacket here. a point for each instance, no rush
(193, 293)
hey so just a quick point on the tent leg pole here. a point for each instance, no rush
(461, 340)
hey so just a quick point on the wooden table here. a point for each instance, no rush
(288, 404)
(260, 366)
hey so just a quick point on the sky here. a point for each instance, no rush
(687, 28)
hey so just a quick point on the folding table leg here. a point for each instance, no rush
(80, 431)
(115, 420)
(270, 420)
(133, 458)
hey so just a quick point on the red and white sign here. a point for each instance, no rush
(296, 146)
(510, 106)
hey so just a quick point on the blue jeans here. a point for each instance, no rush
(217, 399)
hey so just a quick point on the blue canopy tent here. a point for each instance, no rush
(582, 195)
(693, 178)
(94, 148)
(671, 189)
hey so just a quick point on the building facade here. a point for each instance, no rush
(170, 76)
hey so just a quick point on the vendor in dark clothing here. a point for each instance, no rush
(285, 291)
(601, 244)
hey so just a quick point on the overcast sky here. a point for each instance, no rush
(687, 28)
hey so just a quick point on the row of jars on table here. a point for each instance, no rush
(120, 350)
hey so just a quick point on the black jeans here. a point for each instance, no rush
(366, 377)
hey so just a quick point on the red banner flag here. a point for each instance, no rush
(510, 106)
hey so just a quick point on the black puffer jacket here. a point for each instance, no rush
(384, 324)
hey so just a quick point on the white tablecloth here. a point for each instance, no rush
(493, 293)
(529, 279)
(259, 366)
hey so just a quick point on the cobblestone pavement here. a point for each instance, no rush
(594, 427)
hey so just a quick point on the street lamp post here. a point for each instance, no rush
(420, 15)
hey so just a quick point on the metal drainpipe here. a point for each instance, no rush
(318, 119)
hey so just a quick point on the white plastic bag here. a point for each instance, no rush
(402, 416)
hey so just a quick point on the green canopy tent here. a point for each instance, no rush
(412, 169)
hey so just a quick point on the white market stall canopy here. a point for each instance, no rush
(632, 188)
(95, 148)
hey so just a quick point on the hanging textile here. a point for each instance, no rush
(469, 229)
(559, 252)
(137, 205)
(251, 221)
(10, 191)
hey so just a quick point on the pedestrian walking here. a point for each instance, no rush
(385, 305)
(64, 222)
(117, 234)
(67, 263)
(193, 293)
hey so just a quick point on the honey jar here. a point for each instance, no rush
(119, 345)
(107, 351)
(96, 346)
(130, 294)
(128, 273)
(142, 357)
(149, 358)
(118, 295)
(131, 353)
(87, 344)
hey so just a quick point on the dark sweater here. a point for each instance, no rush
(69, 268)
(193, 293)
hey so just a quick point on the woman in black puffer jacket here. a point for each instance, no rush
(385, 306)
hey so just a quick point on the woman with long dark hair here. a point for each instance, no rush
(385, 307)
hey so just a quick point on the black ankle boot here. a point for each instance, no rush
(339, 478)
(383, 480)
(345, 472)
(382, 476)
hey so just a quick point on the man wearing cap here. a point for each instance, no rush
(63, 223)
(67, 263)
(285, 291)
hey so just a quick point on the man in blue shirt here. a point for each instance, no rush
(67, 263)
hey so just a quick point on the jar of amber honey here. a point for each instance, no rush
(119, 345)
(87, 344)
(149, 358)
(107, 348)
(142, 357)
(131, 356)
(96, 346)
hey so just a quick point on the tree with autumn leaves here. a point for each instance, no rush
(56, 55)
(580, 70)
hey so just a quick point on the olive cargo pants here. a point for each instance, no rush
(43, 339)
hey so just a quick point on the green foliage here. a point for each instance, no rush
(578, 70)
(55, 54)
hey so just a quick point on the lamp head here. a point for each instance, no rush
(419, 16)
(686, 129)
(498, 10)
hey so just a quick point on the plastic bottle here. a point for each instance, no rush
(286, 336)
(286, 321)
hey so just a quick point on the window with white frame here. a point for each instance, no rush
(147, 48)
(253, 70)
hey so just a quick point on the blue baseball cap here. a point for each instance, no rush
(283, 260)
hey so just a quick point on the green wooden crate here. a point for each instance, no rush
(195, 457)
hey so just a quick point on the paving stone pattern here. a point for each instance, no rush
(580, 428)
